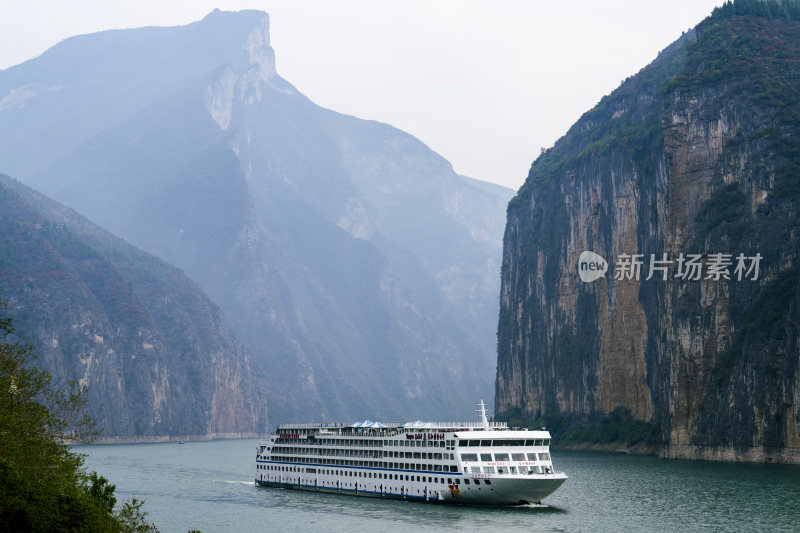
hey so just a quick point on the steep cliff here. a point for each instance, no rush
(696, 155)
(155, 353)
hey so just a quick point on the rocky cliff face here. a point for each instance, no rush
(696, 154)
(155, 353)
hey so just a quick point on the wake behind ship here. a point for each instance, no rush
(454, 462)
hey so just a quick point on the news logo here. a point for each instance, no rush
(591, 266)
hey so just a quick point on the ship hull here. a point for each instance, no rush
(502, 491)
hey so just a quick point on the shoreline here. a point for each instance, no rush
(684, 452)
(169, 438)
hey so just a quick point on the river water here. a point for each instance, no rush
(208, 486)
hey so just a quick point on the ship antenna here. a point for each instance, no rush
(481, 410)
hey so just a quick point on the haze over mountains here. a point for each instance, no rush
(359, 271)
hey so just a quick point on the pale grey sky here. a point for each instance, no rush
(484, 83)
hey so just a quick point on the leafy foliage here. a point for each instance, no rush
(723, 211)
(618, 427)
(133, 519)
(763, 324)
(615, 428)
(43, 485)
(771, 9)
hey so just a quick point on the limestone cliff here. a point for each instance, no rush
(154, 352)
(696, 155)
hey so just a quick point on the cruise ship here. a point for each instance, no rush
(451, 462)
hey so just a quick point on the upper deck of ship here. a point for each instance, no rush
(483, 429)
(468, 430)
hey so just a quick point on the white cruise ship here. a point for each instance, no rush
(457, 462)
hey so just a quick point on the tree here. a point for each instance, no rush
(43, 485)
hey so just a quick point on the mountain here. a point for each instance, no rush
(693, 161)
(155, 353)
(357, 268)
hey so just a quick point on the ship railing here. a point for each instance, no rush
(455, 425)
(311, 425)
(393, 426)
(335, 425)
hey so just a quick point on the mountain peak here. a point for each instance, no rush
(252, 23)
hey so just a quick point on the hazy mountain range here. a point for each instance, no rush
(359, 271)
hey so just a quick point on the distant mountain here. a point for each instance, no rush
(689, 169)
(359, 270)
(153, 350)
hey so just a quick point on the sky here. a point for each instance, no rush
(486, 84)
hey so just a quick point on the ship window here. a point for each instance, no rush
(477, 481)
(476, 470)
(501, 457)
(473, 442)
(538, 442)
(486, 457)
(486, 442)
(458, 481)
(518, 456)
(449, 481)
(532, 457)
(466, 482)
(488, 470)
(487, 481)
(469, 457)
(453, 468)
(544, 456)
(546, 442)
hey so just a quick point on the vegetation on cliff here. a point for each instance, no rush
(698, 153)
(617, 430)
(154, 351)
(43, 485)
